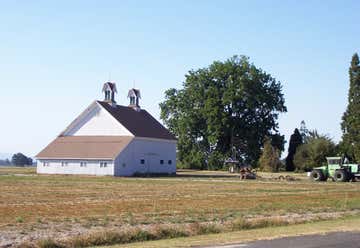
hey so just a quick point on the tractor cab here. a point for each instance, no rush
(333, 164)
(334, 160)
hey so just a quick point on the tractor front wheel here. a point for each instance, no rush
(317, 175)
(341, 176)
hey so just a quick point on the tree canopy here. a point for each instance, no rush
(228, 104)
(351, 119)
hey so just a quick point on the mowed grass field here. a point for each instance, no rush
(28, 200)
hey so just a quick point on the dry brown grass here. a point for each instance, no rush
(11, 170)
(159, 232)
(245, 236)
(189, 198)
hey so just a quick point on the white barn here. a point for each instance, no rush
(109, 139)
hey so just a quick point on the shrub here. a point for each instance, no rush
(313, 153)
(19, 219)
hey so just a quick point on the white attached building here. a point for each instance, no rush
(109, 139)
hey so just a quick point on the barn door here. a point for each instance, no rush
(151, 159)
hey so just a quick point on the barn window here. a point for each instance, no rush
(161, 161)
(169, 162)
(142, 161)
(46, 164)
(64, 164)
(82, 164)
(103, 164)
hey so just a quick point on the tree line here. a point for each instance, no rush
(5, 162)
(18, 159)
(233, 105)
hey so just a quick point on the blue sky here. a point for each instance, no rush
(55, 55)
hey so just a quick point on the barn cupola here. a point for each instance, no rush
(109, 90)
(134, 96)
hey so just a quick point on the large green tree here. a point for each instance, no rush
(351, 119)
(228, 104)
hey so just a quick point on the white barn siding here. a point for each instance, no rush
(73, 167)
(152, 151)
(97, 122)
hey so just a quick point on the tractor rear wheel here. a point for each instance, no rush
(341, 176)
(317, 175)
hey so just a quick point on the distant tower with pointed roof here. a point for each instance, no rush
(109, 89)
(134, 96)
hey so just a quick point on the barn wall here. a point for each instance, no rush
(97, 122)
(73, 167)
(151, 151)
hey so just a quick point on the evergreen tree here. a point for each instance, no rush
(296, 140)
(270, 157)
(351, 119)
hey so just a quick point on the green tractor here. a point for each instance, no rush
(336, 170)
